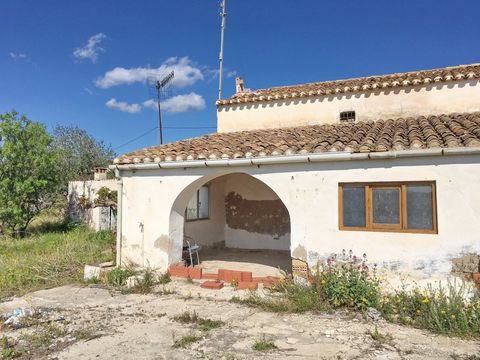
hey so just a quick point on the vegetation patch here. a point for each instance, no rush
(6, 349)
(50, 259)
(348, 282)
(380, 338)
(264, 345)
(118, 276)
(445, 310)
(164, 278)
(203, 324)
(186, 341)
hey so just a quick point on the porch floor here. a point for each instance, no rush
(260, 262)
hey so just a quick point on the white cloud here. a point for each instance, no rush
(179, 103)
(21, 57)
(213, 73)
(123, 106)
(91, 49)
(18, 56)
(186, 74)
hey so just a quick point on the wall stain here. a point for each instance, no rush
(162, 243)
(260, 216)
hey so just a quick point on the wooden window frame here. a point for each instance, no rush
(402, 227)
(197, 194)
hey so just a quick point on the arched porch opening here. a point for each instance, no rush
(239, 222)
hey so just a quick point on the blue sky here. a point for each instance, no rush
(82, 62)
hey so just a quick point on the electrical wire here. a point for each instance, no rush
(165, 127)
(136, 138)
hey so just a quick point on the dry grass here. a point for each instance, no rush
(50, 259)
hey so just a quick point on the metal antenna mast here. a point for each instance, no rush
(223, 15)
(159, 85)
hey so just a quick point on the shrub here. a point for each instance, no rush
(347, 281)
(290, 297)
(442, 310)
(264, 345)
(118, 276)
(164, 278)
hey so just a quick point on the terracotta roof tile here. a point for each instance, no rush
(454, 73)
(453, 130)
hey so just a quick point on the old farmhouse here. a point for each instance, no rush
(383, 165)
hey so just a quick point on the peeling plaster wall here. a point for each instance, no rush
(255, 217)
(310, 192)
(460, 96)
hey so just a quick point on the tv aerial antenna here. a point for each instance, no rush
(159, 85)
(223, 15)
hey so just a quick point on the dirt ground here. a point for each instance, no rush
(94, 323)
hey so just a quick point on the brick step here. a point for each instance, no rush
(241, 279)
(213, 285)
(247, 285)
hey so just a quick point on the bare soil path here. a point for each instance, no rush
(116, 326)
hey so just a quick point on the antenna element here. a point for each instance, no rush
(159, 85)
(223, 15)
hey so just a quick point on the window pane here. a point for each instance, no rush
(203, 202)
(386, 205)
(353, 206)
(419, 207)
(192, 208)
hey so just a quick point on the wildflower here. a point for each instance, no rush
(323, 282)
(442, 312)
(419, 312)
(453, 317)
(425, 300)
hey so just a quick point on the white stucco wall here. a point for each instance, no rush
(433, 99)
(97, 218)
(310, 192)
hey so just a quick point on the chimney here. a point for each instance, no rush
(100, 173)
(240, 85)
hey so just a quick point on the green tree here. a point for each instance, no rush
(29, 172)
(80, 153)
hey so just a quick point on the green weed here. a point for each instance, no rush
(445, 310)
(203, 324)
(185, 341)
(118, 277)
(264, 345)
(381, 338)
(6, 349)
(50, 259)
